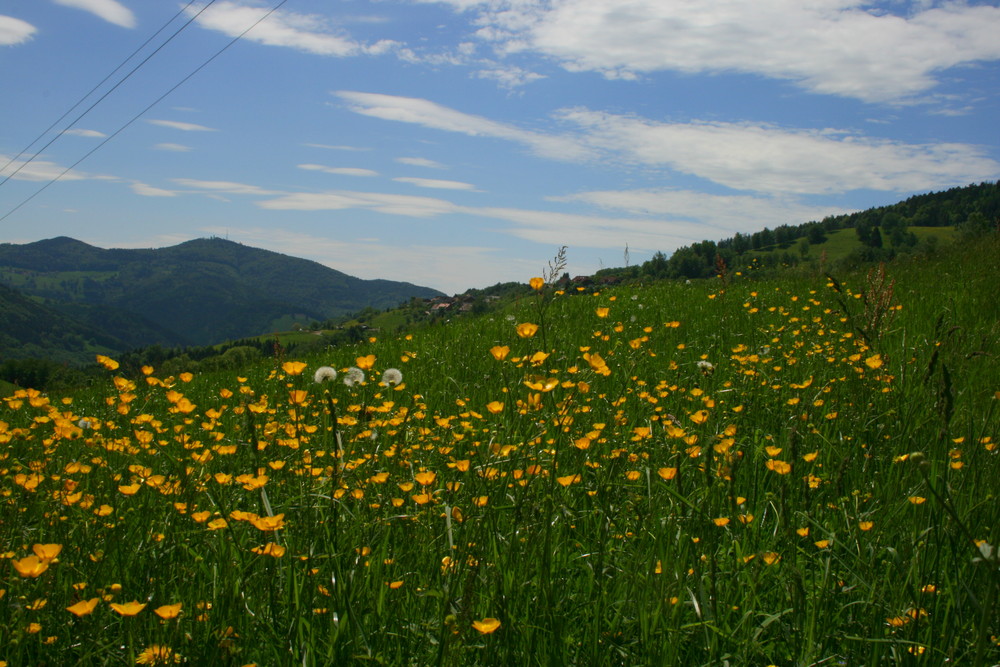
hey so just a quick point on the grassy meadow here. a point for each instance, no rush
(788, 471)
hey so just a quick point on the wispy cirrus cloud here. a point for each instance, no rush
(436, 184)
(15, 31)
(420, 162)
(647, 220)
(311, 33)
(339, 171)
(356, 149)
(109, 10)
(430, 114)
(663, 229)
(80, 132)
(393, 204)
(146, 190)
(172, 148)
(224, 187)
(180, 125)
(774, 159)
(43, 170)
(743, 156)
(849, 48)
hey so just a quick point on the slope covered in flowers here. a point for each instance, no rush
(764, 472)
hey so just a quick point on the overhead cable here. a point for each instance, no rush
(143, 112)
(102, 97)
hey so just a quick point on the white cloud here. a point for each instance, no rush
(743, 156)
(420, 162)
(173, 148)
(765, 158)
(339, 171)
(145, 190)
(429, 114)
(40, 170)
(436, 184)
(109, 10)
(90, 134)
(14, 31)
(179, 125)
(305, 32)
(510, 76)
(224, 187)
(405, 205)
(840, 47)
(548, 227)
(337, 148)
(647, 220)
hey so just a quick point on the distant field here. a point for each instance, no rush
(840, 243)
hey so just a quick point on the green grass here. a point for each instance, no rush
(840, 243)
(605, 496)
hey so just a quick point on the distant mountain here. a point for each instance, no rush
(197, 293)
(33, 330)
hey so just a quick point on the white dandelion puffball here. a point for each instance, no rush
(353, 376)
(392, 376)
(325, 374)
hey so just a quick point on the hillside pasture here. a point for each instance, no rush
(758, 472)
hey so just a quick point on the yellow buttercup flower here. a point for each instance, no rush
(30, 566)
(83, 607)
(270, 549)
(47, 552)
(700, 417)
(168, 611)
(486, 626)
(107, 362)
(566, 480)
(425, 478)
(129, 608)
(527, 329)
(293, 367)
(537, 283)
(268, 523)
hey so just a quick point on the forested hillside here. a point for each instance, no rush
(196, 293)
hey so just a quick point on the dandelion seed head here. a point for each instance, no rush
(324, 374)
(353, 376)
(392, 376)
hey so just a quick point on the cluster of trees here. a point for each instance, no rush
(883, 232)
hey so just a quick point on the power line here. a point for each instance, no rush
(141, 113)
(93, 90)
(102, 97)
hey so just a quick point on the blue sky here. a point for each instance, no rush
(459, 143)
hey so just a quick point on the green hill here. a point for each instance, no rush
(196, 293)
(31, 329)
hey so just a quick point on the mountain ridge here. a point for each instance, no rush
(201, 291)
